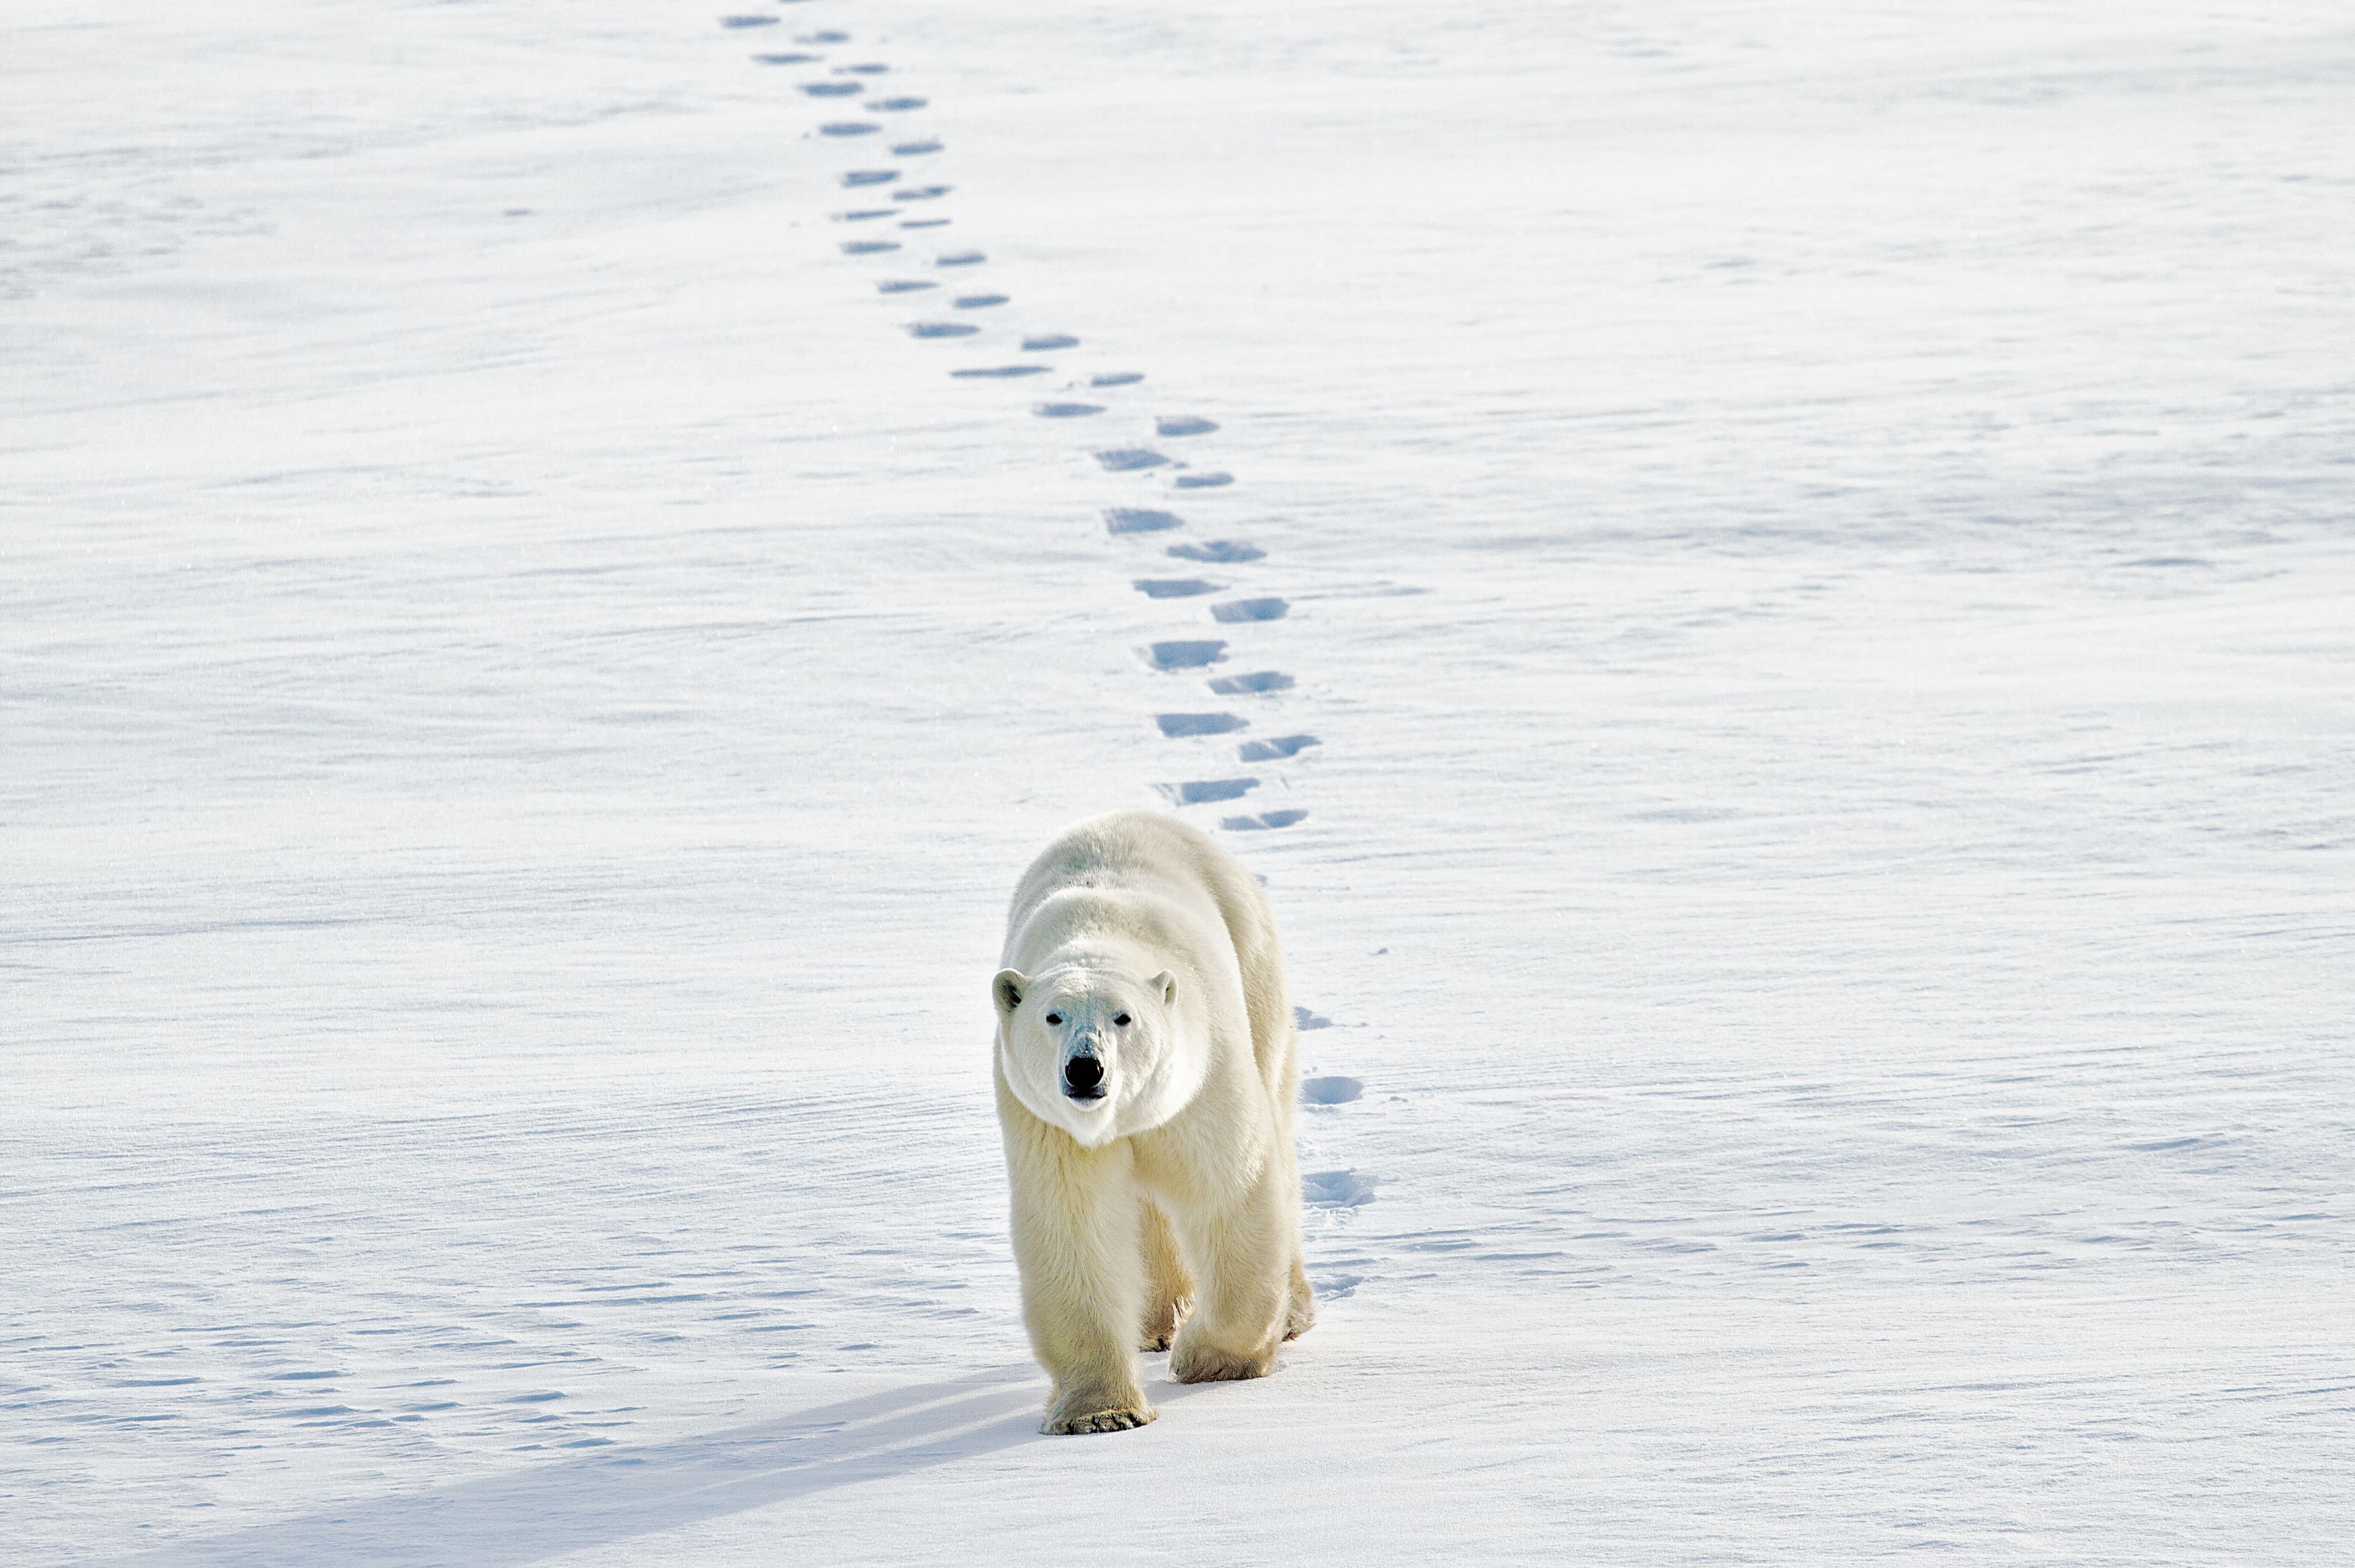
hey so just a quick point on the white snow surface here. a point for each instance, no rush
(1814, 543)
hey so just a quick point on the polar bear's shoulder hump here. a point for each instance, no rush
(1125, 849)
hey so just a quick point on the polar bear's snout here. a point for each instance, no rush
(1084, 1075)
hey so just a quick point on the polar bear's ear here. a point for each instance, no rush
(1008, 987)
(1167, 984)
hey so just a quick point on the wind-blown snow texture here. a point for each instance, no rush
(1768, 586)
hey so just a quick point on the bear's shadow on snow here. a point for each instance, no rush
(529, 1515)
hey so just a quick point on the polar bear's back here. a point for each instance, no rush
(1141, 851)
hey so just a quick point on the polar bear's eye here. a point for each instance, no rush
(1120, 1018)
(1054, 1018)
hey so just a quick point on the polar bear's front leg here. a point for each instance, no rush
(1075, 1242)
(1243, 1258)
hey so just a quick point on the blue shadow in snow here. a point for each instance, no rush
(529, 1515)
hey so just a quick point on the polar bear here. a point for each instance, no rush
(1145, 1080)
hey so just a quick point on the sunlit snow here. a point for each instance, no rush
(1771, 587)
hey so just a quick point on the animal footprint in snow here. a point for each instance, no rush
(1283, 746)
(1066, 410)
(1305, 1021)
(961, 258)
(869, 247)
(1336, 1189)
(942, 329)
(1172, 587)
(1226, 552)
(858, 177)
(922, 193)
(832, 89)
(915, 149)
(788, 59)
(749, 21)
(1200, 791)
(1046, 341)
(1257, 684)
(1116, 378)
(998, 372)
(897, 105)
(1330, 1091)
(1175, 725)
(903, 285)
(1184, 425)
(924, 223)
(1204, 480)
(1138, 520)
(1264, 820)
(1130, 459)
(847, 128)
(1186, 654)
(1237, 610)
(977, 302)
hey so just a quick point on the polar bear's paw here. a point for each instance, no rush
(1300, 1311)
(1194, 1362)
(1161, 1323)
(1091, 1414)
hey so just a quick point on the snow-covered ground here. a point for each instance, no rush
(1814, 545)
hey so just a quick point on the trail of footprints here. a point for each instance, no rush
(856, 89)
(893, 196)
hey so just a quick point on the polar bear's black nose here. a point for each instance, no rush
(1083, 1078)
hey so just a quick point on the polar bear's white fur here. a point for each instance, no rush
(1167, 1204)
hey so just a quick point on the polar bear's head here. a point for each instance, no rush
(1095, 1050)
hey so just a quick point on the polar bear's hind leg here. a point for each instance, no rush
(1300, 1316)
(1245, 1292)
(1168, 1288)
